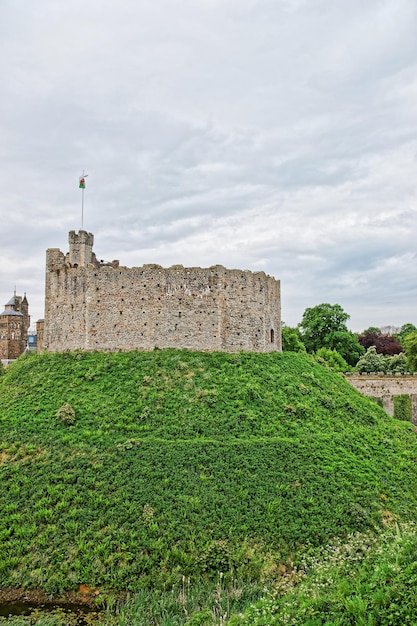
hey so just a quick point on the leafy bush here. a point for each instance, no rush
(66, 414)
(291, 339)
(397, 364)
(373, 362)
(410, 343)
(333, 359)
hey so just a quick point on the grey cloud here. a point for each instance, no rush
(262, 134)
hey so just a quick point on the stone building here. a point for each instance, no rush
(14, 326)
(92, 305)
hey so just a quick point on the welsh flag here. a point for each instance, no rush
(82, 182)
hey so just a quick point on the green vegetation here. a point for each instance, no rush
(406, 329)
(374, 362)
(332, 359)
(410, 343)
(368, 580)
(324, 326)
(174, 472)
(291, 339)
(403, 407)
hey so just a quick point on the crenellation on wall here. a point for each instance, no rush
(106, 307)
(55, 259)
(80, 249)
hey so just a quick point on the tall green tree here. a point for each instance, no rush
(372, 329)
(410, 344)
(324, 326)
(406, 329)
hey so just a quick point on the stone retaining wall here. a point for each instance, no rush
(386, 387)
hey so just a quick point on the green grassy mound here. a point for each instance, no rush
(181, 464)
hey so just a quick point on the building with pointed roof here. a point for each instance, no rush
(14, 326)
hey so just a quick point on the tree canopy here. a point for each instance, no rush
(384, 344)
(324, 326)
(406, 329)
(332, 359)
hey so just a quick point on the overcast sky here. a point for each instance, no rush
(273, 135)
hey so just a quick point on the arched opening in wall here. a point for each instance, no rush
(75, 265)
(272, 335)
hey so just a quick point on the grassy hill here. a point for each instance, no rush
(182, 465)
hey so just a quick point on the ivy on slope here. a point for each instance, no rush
(186, 464)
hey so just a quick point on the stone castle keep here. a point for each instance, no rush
(91, 305)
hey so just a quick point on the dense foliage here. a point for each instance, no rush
(291, 339)
(366, 580)
(332, 359)
(384, 344)
(410, 343)
(406, 329)
(324, 326)
(374, 362)
(403, 407)
(133, 471)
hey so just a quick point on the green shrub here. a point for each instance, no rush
(66, 414)
(333, 359)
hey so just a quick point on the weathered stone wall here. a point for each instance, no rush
(96, 306)
(386, 387)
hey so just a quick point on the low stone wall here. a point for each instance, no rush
(387, 387)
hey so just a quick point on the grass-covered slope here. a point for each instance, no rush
(187, 464)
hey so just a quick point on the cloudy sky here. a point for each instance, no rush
(273, 135)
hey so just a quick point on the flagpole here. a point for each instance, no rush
(82, 185)
(82, 206)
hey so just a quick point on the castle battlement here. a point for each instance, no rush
(80, 249)
(92, 305)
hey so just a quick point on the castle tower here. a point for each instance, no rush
(80, 248)
(14, 325)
